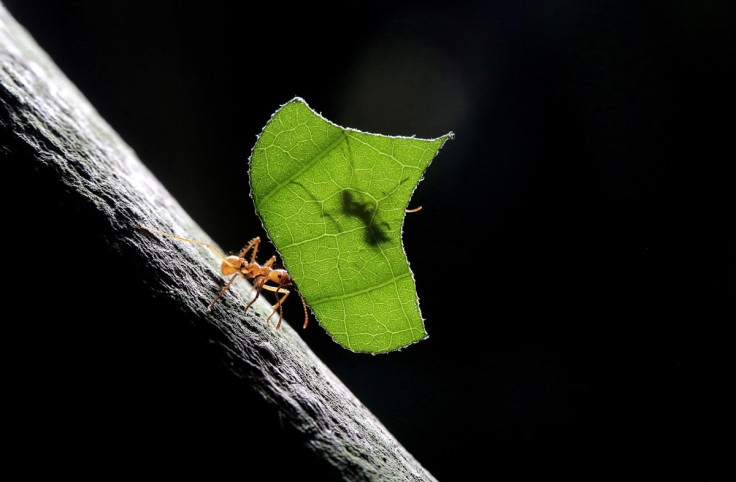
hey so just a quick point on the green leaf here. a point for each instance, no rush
(333, 201)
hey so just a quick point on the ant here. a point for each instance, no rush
(261, 274)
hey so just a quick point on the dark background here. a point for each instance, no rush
(574, 258)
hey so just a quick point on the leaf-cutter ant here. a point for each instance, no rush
(261, 274)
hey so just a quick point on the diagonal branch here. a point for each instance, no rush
(45, 120)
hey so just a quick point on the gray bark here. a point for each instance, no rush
(45, 120)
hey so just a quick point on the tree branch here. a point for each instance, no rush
(45, 120)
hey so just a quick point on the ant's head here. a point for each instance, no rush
(280, 276)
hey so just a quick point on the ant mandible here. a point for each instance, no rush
(261, 274)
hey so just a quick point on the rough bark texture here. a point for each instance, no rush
(46, 121)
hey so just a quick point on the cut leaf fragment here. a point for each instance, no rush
(333, 201)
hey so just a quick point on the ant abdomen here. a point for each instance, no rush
(231, 265)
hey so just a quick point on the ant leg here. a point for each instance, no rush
(253, 243)
(269, 263)
(278, 305)
(279, 289)
(257, 282)
(260, 282)
(225, 289)
(413, 210)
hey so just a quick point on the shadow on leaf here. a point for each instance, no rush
(376, 231)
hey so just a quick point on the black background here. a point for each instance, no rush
(574, 258)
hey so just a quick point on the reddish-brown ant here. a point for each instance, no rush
(261, 274)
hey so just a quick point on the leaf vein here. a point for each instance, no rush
(339, 140)
(360, 292)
